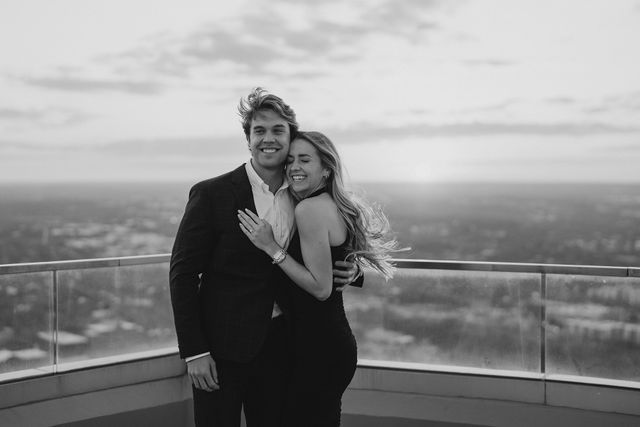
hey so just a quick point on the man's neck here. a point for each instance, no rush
(273, 178)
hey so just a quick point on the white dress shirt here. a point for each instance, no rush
(278, 210)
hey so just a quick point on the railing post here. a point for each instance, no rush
(54, 321)
(543, 323)
(117, 286)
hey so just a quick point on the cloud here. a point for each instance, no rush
(489, 62)
(404, 18)
(234, 145)
(306, 75)
(216, 44)
(632, 149)
(158, 55)
(411, 20)
(264, 40)
(368, 133)
(47, 117)
(186, 146)
(37, 148)
(12, 114)
(628, 102)
(211, 45)
(323, 39)
(269, 41)
(542, 161)
(597, 109)
(19, 145)
(492, 107)
(86, 84)
(562, 100)
(141, 157)
(189, 146)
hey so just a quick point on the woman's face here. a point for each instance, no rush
(304, 168)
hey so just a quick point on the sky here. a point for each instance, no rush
(412, 90)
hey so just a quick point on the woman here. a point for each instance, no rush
(331, 225)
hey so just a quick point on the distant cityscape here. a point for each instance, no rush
(568, 224)
(432, 317)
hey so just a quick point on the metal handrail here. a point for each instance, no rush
(78, 264)
(519, 267)
(421, 264)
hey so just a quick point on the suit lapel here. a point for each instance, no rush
(243, 194)
(242, 189)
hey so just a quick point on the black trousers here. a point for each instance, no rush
(259, 386)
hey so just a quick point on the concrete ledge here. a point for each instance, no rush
(90, 379)
(449, 384)
(98, 404)
(100, 392)
(172, 414)
(476, 397)
(599, 395)
(594, 398)
(121, 393)
(438, 410)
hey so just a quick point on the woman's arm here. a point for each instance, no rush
(316, 275)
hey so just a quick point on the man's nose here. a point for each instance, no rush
(269, 137)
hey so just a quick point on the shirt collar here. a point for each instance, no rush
(256, 181)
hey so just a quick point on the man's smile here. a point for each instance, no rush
(269, 150)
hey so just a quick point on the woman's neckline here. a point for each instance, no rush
(317, 192)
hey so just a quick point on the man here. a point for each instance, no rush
(226, 294)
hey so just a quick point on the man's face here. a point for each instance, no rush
(269, 140)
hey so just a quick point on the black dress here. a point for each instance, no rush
(325, 353)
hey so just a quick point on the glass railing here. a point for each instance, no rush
(442, 317)
(578, 323)
(564, 322)
(60, 315)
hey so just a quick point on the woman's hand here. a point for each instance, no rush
(258, 231)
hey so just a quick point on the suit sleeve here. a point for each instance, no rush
(191, 250)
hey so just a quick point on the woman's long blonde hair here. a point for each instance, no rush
(368, 227)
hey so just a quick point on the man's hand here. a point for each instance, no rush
(203, 373)
(344, 273)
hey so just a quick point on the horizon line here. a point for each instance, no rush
(365, 182)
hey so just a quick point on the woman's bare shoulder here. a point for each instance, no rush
(315, 207)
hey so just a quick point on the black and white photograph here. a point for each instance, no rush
(419, 213)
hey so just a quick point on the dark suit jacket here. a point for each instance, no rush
(222, 286)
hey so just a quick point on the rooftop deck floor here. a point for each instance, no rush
(155, 391)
